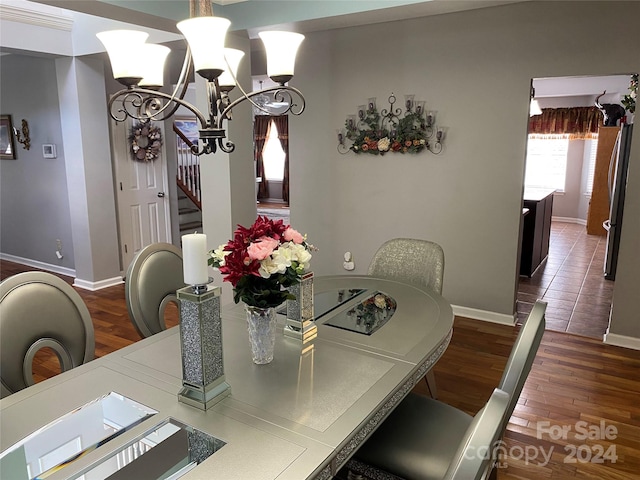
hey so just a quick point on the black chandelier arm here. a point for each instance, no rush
(181, 86)
(142, 96)
(151, 102)
(226, 147)
(282, 93)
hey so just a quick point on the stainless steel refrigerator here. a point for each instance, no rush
(617, 186)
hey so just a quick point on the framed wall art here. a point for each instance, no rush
(7, 141)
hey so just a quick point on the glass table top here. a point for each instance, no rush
(357, 310)
(71, 436)
(366, 315)
(168, 450)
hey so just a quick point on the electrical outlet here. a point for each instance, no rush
(59, 245)
(348, 263)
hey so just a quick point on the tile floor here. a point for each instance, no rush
(571, 281)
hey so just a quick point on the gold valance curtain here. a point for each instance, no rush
(577, 123)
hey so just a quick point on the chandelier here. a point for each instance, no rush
(139, 66)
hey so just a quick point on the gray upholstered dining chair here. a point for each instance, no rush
(411, 260)
(421, 438)
(150, 285)
(39, 310)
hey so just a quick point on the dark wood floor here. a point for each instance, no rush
(574, 379)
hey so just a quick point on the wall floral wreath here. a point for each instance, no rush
(146, 141)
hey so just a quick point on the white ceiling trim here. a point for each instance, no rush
(34, 17)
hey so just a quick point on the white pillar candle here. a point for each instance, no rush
(194, 259)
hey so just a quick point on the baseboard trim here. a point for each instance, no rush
(93, 286)
(69, 272)
(484, 315)
(622, 341)
(579, 221)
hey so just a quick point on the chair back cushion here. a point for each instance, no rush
(410, 260)
(37, 310)
(476, 454)
(152, 280)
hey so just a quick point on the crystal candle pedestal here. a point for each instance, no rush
(203, 381)
(300, 323)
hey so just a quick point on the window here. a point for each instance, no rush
(546, 163)
(273, 155)
(590, 148)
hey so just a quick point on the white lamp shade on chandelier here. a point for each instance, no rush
(282, 48)
(205, 36)
(227, 79)
(121, 45)
(152, 59)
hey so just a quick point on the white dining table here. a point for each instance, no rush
(300, 417)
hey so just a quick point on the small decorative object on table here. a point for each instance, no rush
(263, 263)
(203, 380)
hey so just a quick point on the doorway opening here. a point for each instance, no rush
(570, 270)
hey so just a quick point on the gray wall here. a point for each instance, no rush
(33, 196)
(474, 68)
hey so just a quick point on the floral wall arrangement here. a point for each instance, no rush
(145, 141)
(390, 130)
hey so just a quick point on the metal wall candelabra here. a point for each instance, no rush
(391, 130)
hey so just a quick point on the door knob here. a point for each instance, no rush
(161, 194)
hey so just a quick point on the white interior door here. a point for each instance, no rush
(143, 205)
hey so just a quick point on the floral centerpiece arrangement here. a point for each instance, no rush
(260, 262)
(629, 100)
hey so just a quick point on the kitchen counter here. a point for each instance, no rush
(536, 229)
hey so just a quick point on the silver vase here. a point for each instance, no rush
(261, 323)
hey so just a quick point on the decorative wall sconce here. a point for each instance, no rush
(24, 140)
(390, 130)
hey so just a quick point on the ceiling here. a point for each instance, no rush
(306, 16)
(253, 15)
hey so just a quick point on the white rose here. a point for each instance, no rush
(301, 255)
(383, 144)
(219, 254)
(268, 267)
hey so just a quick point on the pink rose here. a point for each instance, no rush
(291, 235)
(262, 248)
